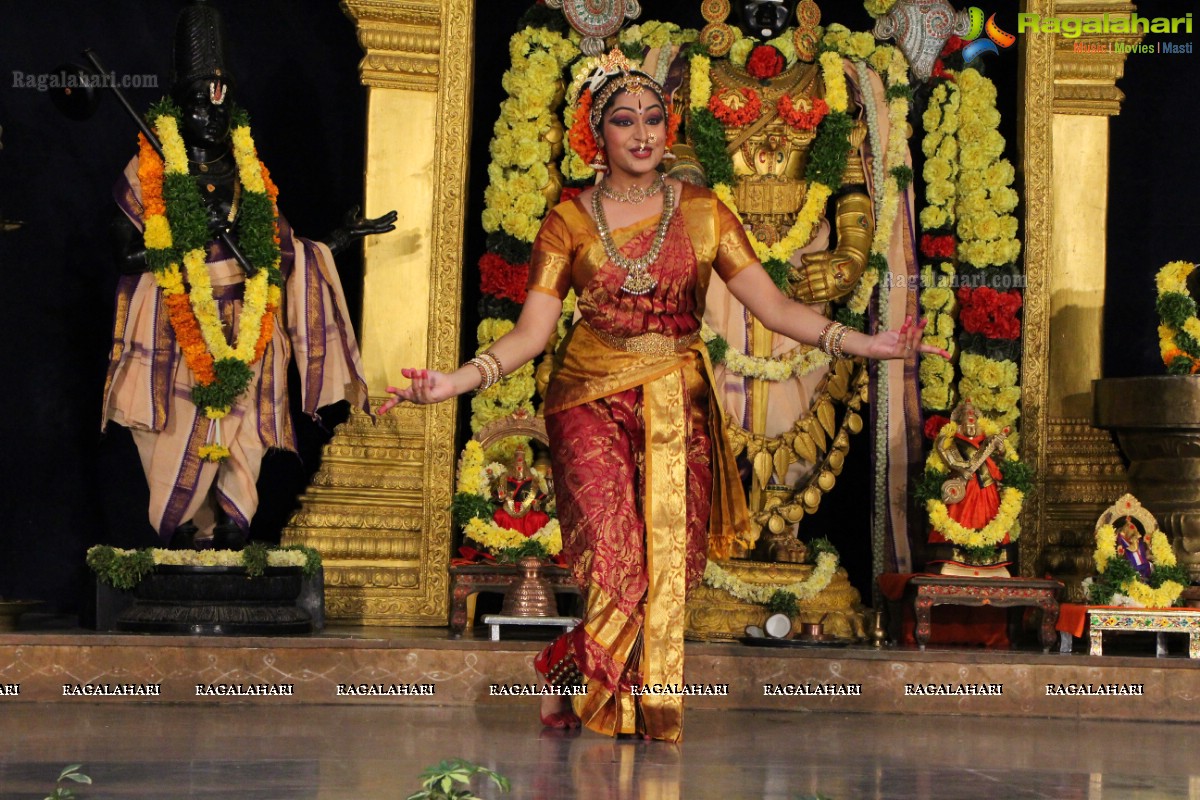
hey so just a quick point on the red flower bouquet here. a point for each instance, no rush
(765, 62)
(988, 312)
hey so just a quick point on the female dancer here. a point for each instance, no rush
(645, 481)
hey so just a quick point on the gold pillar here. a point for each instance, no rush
(378, 509)
(1070, 93)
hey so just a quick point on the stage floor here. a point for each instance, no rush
(326, 752)
(359, 712)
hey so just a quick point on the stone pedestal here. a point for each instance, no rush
(217, 601)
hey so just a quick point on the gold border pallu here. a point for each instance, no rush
(661, 633)
(658, 641)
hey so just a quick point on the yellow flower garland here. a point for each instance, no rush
(987, 232)
(494, 538)
(1172, 279)
(990, 535)
(259, 294)
(719, 578)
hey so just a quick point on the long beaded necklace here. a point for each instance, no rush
(638, 280)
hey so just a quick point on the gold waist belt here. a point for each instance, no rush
(655, 344)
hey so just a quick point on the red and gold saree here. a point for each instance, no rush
(646, 486)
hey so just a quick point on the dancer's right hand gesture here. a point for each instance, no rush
(428, 386)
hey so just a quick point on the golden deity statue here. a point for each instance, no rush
(769, 160)
(794, 431)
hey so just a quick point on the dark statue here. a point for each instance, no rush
(185, 483)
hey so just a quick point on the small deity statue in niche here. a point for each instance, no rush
(523, 495)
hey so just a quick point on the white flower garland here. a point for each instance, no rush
(217, 558)
(800, 362)
(718, 578)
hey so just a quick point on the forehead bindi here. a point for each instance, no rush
(640, 105)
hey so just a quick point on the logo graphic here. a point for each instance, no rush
(997, 38)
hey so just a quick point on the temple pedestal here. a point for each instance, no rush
(714, 614)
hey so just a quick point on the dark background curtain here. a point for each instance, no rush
(64, 486)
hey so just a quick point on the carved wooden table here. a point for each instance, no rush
(932, 590)
(467, 580)
(1151, 620)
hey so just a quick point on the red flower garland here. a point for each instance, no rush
(937, 246)
(989, 312)
(502, 279)
(765, 62)
(804, 113)
(736, 107)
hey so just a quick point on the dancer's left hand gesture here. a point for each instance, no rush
(902, 343)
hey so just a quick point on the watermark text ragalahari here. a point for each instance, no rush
(812, 690)
(112, 689)
(46, 81)
(386, 689)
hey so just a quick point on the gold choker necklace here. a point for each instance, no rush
(634, 194)
(638, 279)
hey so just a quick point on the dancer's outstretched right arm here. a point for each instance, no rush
(526, 340)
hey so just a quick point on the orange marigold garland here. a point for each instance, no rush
(175, 232)
(804, 113)
(736, 106)
(583, 141)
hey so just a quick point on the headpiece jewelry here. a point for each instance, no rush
(614, 73)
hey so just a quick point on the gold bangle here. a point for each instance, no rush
(829, 341)
(835, 349)
(499, 367)
(823, 336)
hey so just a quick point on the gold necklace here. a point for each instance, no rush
(203, 165)
(638, 280)
(634, 194)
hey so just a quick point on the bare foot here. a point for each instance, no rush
(556, 712)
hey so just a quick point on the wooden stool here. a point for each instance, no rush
(931, 590)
